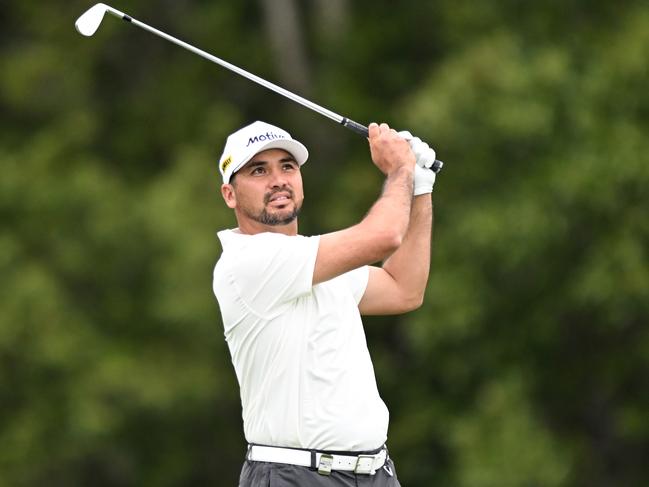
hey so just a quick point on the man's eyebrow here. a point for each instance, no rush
(257, 163)
(253, 164)
(262, 162)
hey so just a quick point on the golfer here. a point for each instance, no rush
(292, 305)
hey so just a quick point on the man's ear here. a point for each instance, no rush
(229, 196)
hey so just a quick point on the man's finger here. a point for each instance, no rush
(428, 158)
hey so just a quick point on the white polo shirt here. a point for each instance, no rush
(299, 351)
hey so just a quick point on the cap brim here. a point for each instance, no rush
(293, 147)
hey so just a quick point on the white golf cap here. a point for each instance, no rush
(242, 145)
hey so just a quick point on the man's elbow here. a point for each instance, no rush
(412, 302)
(393, 242)
(379, 240)
(417, 302)
(389, 241)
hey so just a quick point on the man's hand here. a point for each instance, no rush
(423, 152)
(424, 181)
(389, 151)
(424, 176)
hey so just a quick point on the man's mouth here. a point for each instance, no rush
(280, 198)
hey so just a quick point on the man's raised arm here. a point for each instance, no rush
(399, 285)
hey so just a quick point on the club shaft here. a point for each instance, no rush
(346, 122)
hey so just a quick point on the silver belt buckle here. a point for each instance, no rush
(326, 462)
(364, 464)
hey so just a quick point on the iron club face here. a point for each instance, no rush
(88, 23)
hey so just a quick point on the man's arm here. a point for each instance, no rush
(383, 229)
(399, 285)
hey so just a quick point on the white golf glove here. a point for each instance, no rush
(423, 152)
(423, 181)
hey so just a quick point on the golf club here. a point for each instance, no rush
(88, 23)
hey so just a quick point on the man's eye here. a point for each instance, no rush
(258, 170)
(289, 167)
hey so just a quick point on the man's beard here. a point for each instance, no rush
(274, 219)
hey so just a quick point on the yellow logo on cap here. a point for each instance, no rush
(226, 162)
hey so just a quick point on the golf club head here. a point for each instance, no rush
(88, 23)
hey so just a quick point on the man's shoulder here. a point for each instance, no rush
(266, 270)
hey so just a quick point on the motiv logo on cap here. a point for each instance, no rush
(245, 143)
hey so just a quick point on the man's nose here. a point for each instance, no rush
(278, 179)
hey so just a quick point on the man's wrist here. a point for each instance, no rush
(424, 180)
(404, 172)
(407, 167)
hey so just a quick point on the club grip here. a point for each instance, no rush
(355, 127)
(362, 130)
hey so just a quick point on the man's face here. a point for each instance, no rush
(267, 191)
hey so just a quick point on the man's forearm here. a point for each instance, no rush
(393, 209)
(409, 265)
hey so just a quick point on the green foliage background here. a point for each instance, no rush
(528, 364)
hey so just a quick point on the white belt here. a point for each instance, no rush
(324, 462)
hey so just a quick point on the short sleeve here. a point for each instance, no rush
(272, 269)
(357, 280)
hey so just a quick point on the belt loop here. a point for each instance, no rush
(313, 458)
(248, 452)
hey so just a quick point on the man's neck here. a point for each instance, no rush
(253, 228)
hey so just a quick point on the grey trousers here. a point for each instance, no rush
(264, 474)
